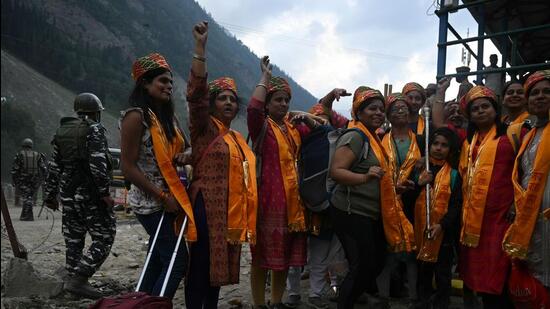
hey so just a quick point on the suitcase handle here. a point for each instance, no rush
(173, 259)
(149, 253)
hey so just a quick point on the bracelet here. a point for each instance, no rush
(199, 58)
(261, 85)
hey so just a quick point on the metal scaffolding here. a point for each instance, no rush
(519, 29)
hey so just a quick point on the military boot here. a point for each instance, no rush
(79, 285)
(26, 214)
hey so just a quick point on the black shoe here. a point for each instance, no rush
(80, 286)
(279, 306)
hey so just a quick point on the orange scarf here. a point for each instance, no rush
(165, 151)
(404, 171)
(242, 205)
(520, 119)
(528, 202)
(289, 146)
(399, 231)
(420, 126)
(441, 193)
(478, 174)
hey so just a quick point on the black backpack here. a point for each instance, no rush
(317, 150)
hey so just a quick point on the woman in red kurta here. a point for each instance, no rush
(281, 222)
(486, 164)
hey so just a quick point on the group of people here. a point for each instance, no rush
(486, 186)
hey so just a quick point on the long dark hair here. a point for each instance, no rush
(141, 98)
(472, 128)
(452, 139)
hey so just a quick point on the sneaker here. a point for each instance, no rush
(332, 293)
(317, 303)
(293, 301)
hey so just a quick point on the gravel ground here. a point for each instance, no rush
(120, 272)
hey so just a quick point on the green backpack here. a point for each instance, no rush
(70, 139)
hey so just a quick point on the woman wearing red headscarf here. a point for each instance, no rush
(281, 219)
(488, 198)
(223, 190)
(416, 95)
(528, 239)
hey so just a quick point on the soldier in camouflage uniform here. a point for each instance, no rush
(28, 172)
(80, 173)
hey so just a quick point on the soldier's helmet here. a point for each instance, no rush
(27, 142)
(87, 103)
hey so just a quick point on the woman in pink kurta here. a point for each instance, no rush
(279, 244)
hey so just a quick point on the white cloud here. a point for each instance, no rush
(327, 44)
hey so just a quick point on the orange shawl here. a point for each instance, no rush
(521, 118)
(528, 202)
(398, 230)
(289, 146)
(478, 174)
(441, 193)
(242, 204)
(420, 126)
(165, 151)
(404, 171)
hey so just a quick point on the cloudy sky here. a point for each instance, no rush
(325, 44)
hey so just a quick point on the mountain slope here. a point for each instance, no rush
(90, 45)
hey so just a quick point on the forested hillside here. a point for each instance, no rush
(90, 46)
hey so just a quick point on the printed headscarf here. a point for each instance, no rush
(147, 63)
(535, 78)
(394, 97)
(414, 86)
(277, 83)
(476, 93)
(362, 94)
(221, 84)
(319, 110)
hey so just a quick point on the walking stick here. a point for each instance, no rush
(426, 112)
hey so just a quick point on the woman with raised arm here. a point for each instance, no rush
(223, 190)
(528, 239)
(151, 142)
(281, 220)
(486, 163)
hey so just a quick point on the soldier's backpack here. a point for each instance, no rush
(317, 150)
(70, 139)
(30, 159)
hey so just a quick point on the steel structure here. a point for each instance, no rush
(520, 29)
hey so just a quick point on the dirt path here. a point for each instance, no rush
(120, 271)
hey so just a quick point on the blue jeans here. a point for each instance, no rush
(161, 255)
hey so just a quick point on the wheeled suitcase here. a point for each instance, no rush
(142, 300)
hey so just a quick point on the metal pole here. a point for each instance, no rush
(17, 251)
(455, 33)
(497, 34)
(527, 67)
(504, 42)
(442, 49)
(426, 111)
(480, 45)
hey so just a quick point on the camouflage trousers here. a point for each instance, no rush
(27, 193)
(81, 216)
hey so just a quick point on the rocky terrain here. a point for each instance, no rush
(44, 242)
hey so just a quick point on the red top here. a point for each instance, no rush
(486, 267)
(276, 248)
